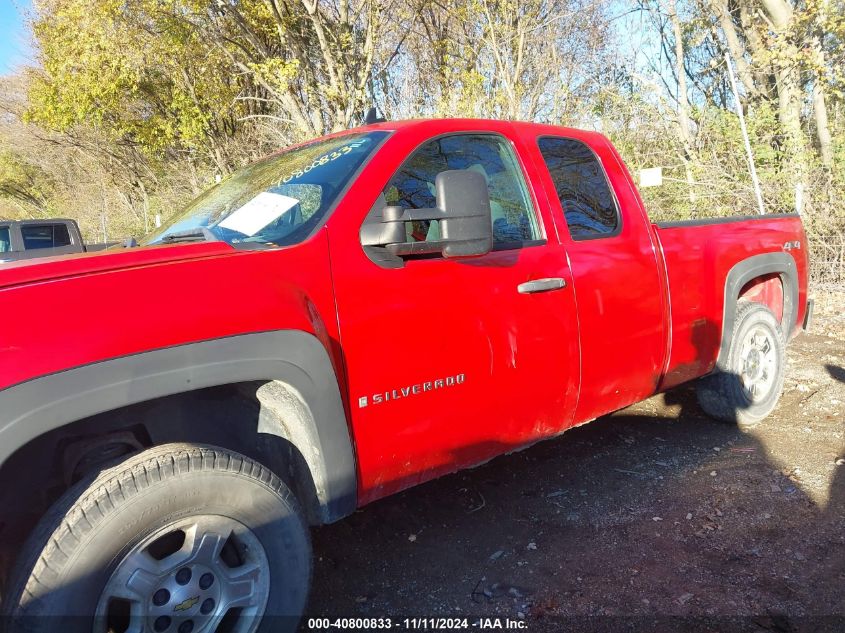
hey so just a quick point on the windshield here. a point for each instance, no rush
(276, 201)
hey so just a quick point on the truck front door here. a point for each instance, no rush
(453, 361)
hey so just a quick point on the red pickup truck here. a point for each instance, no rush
(333, 324)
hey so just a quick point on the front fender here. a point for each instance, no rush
(292, 357)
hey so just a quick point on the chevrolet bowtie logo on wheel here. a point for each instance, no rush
(187, 604)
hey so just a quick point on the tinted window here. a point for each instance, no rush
(412, 186)
(582, 188)
(5, 239)
(44, 236)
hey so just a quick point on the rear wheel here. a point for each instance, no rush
(747, 387)
(177, 539)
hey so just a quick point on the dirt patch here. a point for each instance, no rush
(829, 312)
(653, 512)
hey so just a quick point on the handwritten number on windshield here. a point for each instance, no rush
(319, 162)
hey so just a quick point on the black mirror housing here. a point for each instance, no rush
(465, 198)
(463, 211)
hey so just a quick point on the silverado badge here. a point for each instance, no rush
(411, 390)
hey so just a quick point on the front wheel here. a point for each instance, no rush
(177, 539)
(747, 387)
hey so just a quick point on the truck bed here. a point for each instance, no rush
(696, 301)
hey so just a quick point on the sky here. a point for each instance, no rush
(14, 35)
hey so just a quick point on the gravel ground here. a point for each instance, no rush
(829, 312)
(654, 518)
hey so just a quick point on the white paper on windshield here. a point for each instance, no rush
(258, 213)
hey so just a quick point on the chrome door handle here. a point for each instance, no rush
(541, 285)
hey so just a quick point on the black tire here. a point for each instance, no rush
(79, 544)
(724, 395)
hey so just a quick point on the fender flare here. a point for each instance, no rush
(293, 358)
(744, 271)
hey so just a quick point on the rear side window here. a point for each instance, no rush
(44, 236)
(582, 188)
(5, 239)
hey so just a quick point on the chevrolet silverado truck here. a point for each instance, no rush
(333, 324)
(31, 239)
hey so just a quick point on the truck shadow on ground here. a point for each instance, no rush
(836, 505)
(646, 515)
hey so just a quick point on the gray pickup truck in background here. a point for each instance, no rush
(28, 239)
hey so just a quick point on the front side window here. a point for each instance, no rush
(277, 201)
(412, 186)
(44, 236)
(582, 188)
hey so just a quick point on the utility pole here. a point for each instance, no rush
(745, 135)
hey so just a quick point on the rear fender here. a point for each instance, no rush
(740, 277)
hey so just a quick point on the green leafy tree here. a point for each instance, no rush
(26, 188)
(136, 71)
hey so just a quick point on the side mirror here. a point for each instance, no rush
(463, 212)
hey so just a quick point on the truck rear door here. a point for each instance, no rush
(618, 277)
(453, 361)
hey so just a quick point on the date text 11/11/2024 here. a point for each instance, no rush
(416, 624)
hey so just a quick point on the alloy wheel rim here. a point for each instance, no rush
(758, 364)
(188, 577)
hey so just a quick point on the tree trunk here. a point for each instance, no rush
(820, 110)
(779, 13)
(735, 46)
(763, 74)
(822, 126)
(683, 100)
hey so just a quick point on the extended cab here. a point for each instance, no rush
(336, 323)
